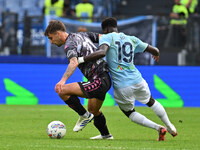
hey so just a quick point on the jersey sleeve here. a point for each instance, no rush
(105, 39)
(140, 45)
(70, 50)
(94, 37)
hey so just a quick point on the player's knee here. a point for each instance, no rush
(94, 111)
(151, 101)
(128, 113)
(64, 97)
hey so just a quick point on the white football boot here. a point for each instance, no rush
(100, 137)
(172, 130)
(82, 122)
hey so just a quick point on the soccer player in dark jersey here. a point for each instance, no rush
(99, 82)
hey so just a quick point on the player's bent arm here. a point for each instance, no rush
(153, 50)
(73, 64)
(96, 55)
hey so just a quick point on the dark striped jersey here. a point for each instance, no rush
(82, 44)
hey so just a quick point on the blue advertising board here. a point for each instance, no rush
(32, 84)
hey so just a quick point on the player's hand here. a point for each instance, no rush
(156, 58)
(58, 87)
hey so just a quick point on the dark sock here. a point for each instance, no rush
(100, 124)
(74, 103)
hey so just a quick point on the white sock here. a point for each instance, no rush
(161, 113)
(142, 120)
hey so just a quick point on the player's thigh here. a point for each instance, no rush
(72, 89)
(125, 98)
(94, 105)
(142, 92)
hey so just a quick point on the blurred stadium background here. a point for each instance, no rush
(30, 66)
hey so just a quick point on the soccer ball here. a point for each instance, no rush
(56, 130)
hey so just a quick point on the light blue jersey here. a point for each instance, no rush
(120, 58)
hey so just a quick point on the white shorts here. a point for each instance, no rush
(125, 97)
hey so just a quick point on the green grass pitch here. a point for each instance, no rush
(24, 128)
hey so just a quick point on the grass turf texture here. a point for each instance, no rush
(24, 128)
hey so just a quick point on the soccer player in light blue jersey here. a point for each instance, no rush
(128, 82)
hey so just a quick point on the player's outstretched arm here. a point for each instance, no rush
(96, 55)
(154, 51)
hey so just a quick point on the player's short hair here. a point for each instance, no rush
(54, 25)
(109, 22)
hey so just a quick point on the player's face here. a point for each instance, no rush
(55, 39)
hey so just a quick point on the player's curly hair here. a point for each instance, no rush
(109, 22)
(54, 25)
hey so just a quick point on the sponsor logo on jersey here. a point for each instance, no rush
(125, 68)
